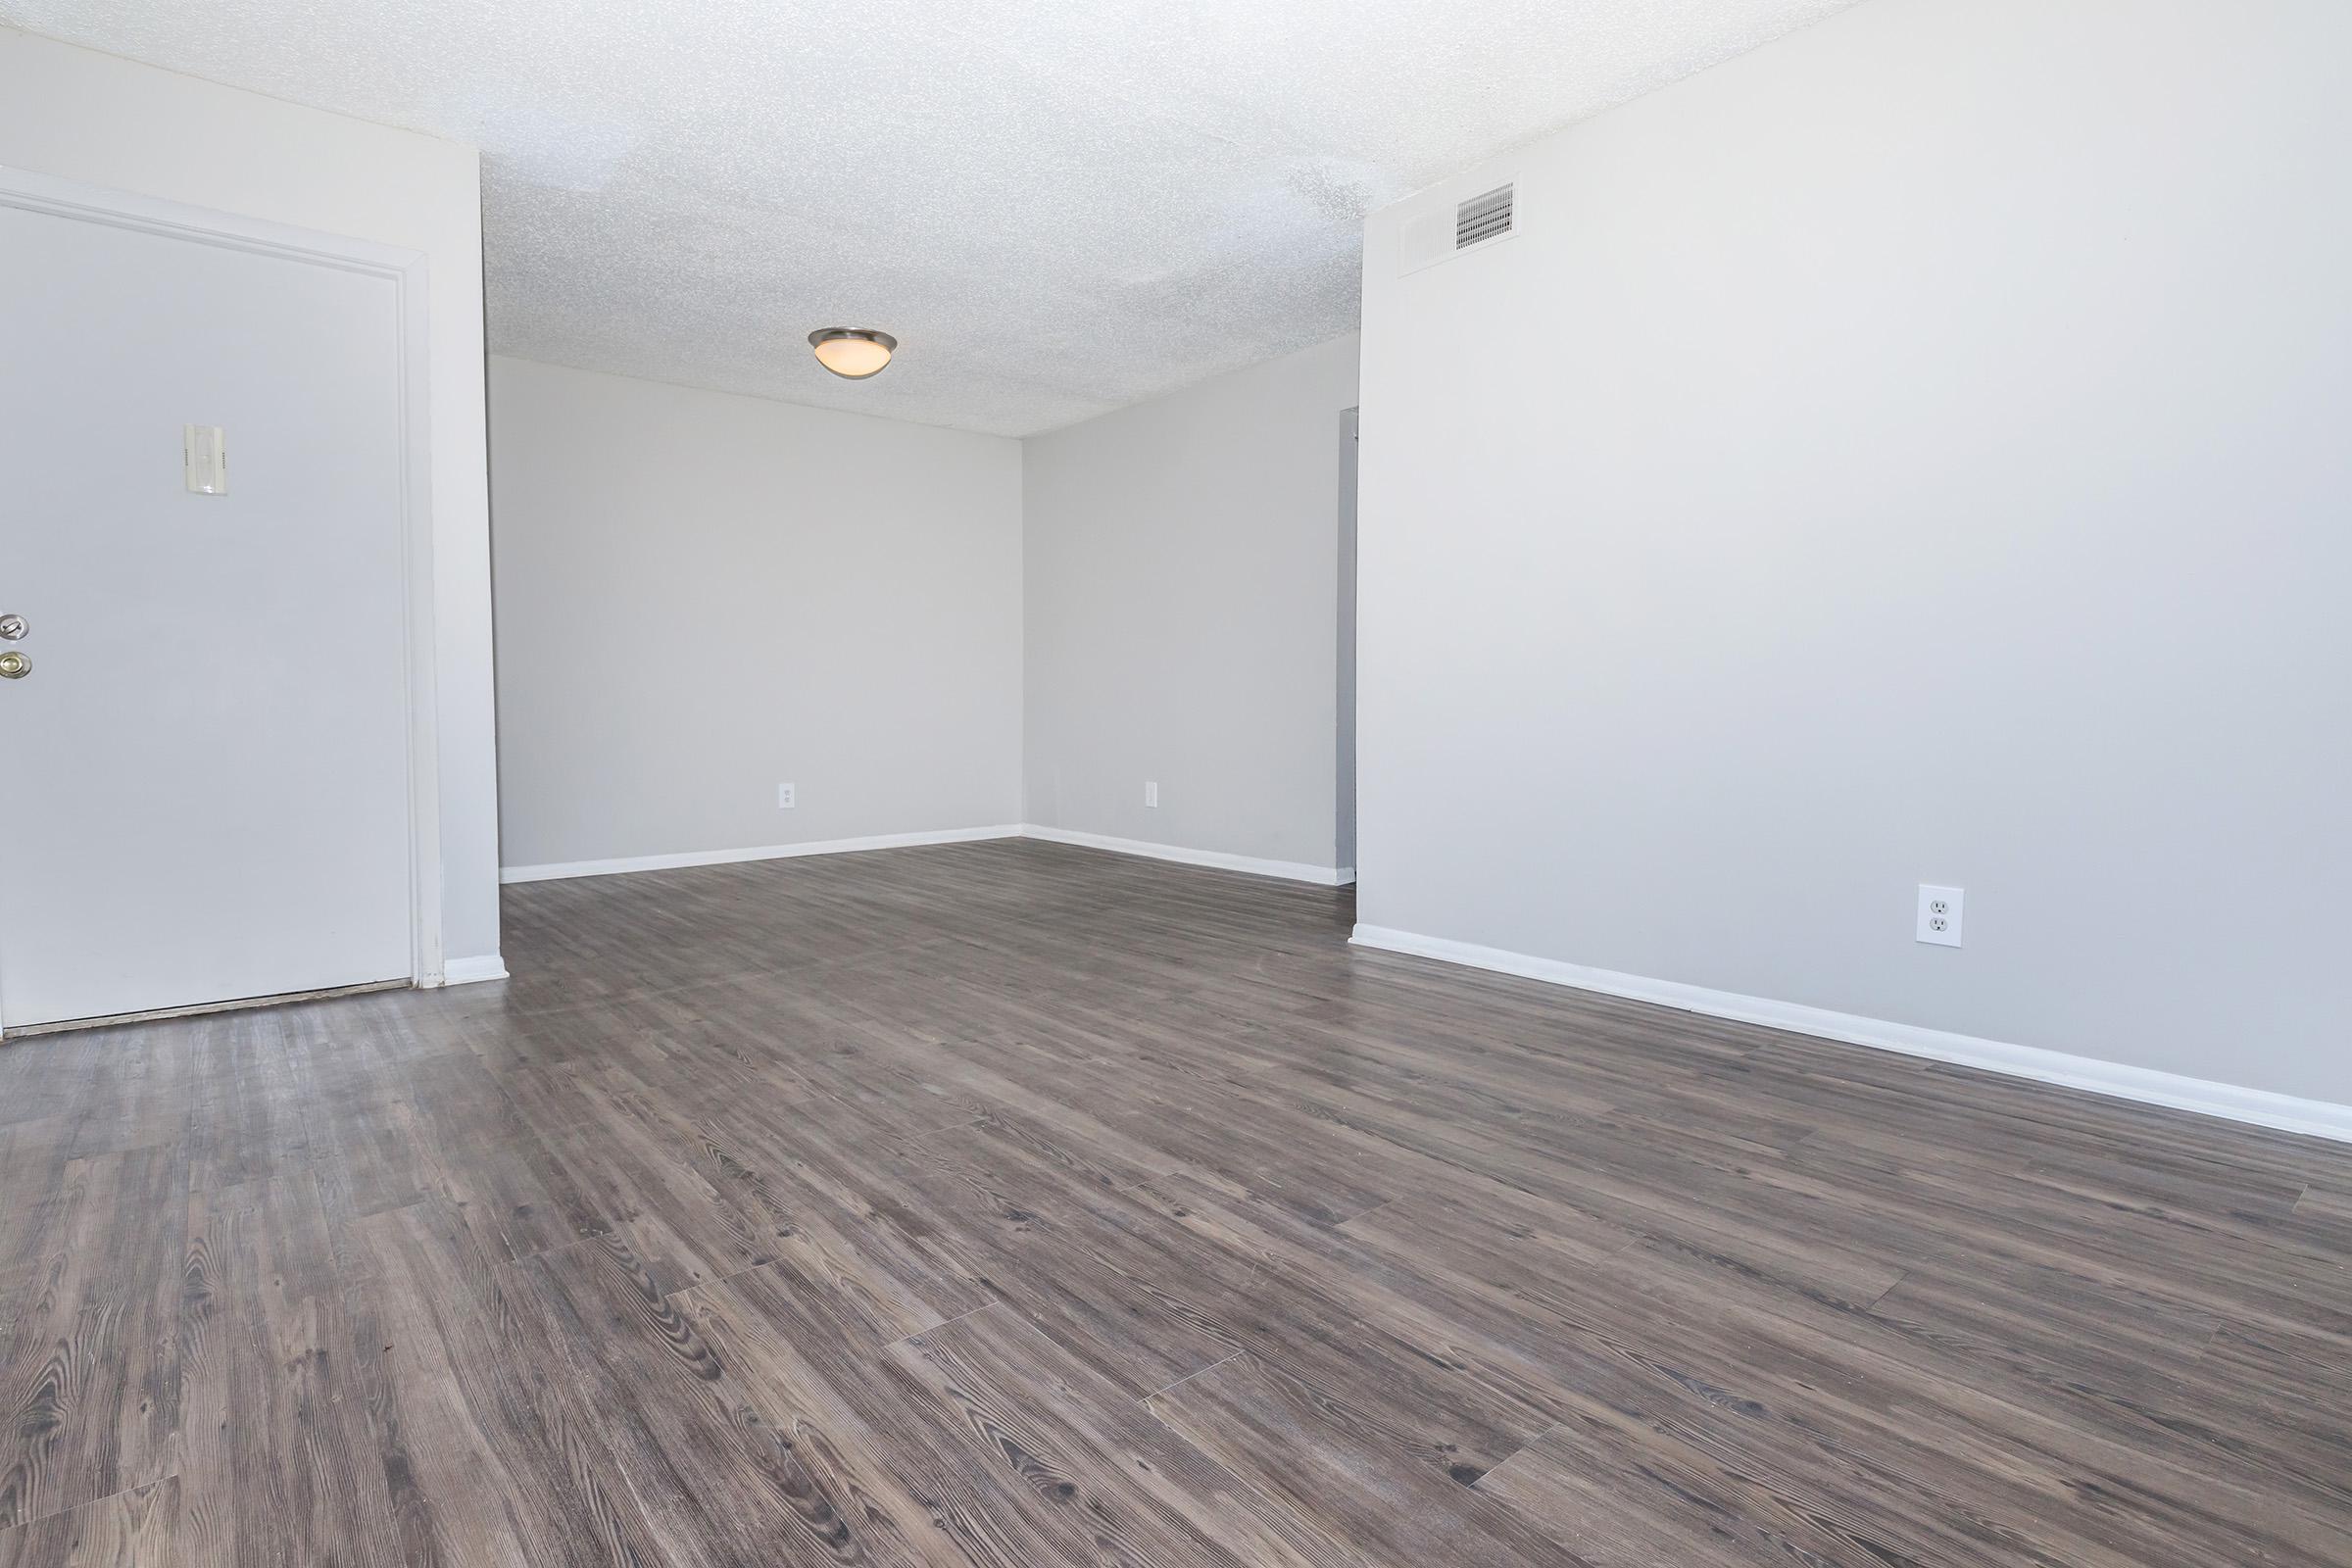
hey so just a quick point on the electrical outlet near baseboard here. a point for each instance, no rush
(784, 798)
(1150, 793)
(1939, 915)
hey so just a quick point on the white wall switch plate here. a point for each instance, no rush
(1939, 915)
(1151, 794)
(204, 459)
(784, 798)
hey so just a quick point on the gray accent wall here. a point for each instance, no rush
(1918, 451)
(1182, 569)
(703, 596)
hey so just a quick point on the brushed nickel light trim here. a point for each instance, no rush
(849, 351)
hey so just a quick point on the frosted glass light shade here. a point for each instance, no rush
(853, 353)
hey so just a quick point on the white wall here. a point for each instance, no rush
(83, 116)
(702, 596)
(1915, 451)
(1182, 570)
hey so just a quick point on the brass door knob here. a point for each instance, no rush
(15, 665)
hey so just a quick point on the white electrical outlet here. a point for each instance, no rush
(204, 459)
(783, 797)
(1939, 915)
(1150, 793)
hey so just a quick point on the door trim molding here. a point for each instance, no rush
(472, 971)
(406, 269)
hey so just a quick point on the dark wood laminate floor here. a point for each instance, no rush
(1011, 1203)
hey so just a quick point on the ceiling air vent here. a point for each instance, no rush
(1481, 218)
(1438, 230)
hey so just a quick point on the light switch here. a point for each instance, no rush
(203, 451)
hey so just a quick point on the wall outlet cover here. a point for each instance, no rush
(204, 459)
(1939, 915)
(784, 798)
(1151, 794)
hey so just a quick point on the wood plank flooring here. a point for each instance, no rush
(1020, 1206)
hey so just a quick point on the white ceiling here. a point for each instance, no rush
(1057, 206)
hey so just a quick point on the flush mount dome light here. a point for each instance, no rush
(852, 351)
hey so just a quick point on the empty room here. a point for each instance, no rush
(1512, 783)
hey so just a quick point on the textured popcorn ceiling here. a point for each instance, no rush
(1057, 206)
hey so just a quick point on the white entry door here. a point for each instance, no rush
(204, 792)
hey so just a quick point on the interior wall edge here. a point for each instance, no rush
(1179, 576)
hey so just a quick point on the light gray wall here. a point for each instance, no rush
(702, 596)
(80, 115)
(1181, 563)
(1914, 452)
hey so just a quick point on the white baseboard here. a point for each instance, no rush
(2318, 1119)
(467, 971)
(768, 852)
(1288, 870)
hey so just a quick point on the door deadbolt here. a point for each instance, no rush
(15, 665)
(12, 628)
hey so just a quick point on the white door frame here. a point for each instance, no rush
(406, 269)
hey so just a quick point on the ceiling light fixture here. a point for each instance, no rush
(853, 353)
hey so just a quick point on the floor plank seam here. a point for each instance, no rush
(1340, 1225)
(713, 1280)
(1525, 1451)
(172, 1474)
(944, 1322)
(1872, 1305)
(923, 1138)
(1146, 1398)
(1374, 1208)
